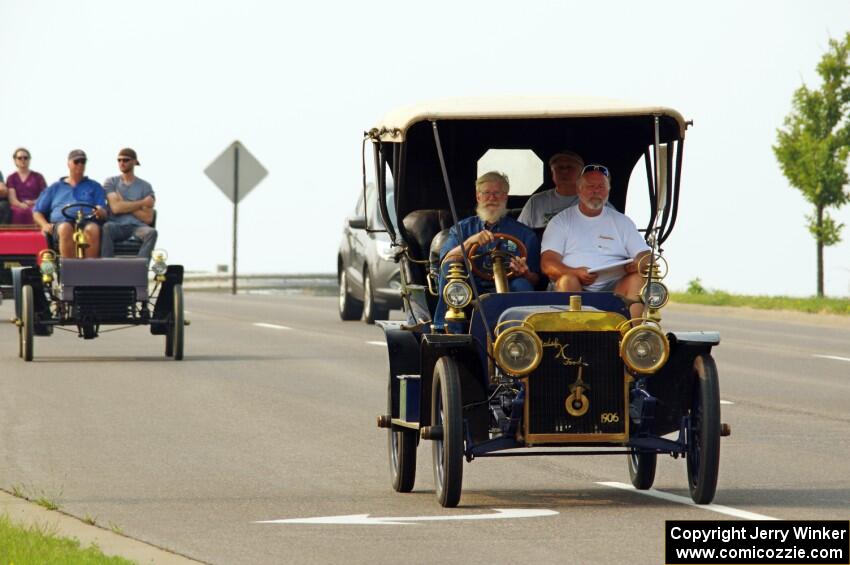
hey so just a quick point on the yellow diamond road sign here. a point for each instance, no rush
(236, 172)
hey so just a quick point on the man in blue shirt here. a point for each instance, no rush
(491, 194)
(76, 187)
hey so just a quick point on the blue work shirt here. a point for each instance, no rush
(507, 225)
(469, 227)
(60, 194)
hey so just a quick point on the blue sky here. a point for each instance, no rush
(297, 84)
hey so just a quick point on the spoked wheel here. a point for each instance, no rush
(447, 411)
(349, 307)
(27, 321)
(371, 311)
(703, 457)
(178, 327)
(402, 451)
(642, 468)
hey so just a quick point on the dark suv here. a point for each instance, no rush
(367, 273)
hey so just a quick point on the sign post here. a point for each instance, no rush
(236, 172)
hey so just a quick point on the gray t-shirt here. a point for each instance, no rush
(136, 190)
(544, 206)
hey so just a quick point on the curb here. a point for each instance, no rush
(25, 513)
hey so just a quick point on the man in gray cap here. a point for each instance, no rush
(76, 188)
(543, 206)
(131, 201)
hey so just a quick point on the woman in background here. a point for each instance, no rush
(24, 187)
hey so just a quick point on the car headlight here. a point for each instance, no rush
(655, 295)
(457, 294)
(644, 349)
(518, 351)
(159, 265)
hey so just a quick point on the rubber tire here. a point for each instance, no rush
(27, 320)
(20, 342)
(371, 311)
(642, 469)
(447, 410)
(179, 327)
(703, 457)
(401, 446)
(349, 307)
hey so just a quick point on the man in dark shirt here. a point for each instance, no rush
(491, 194)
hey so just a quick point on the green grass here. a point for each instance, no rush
(39, 544)
(812, 305)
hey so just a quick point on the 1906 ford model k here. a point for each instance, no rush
(536, 373)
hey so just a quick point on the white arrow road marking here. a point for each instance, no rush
(271, 326)
(381, 343)
(728, 510)
(365, 520)
(833, 357)
(726, 402)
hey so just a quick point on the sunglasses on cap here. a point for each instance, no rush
(79, 161)
(596, 168)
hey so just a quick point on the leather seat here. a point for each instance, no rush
(422, 226)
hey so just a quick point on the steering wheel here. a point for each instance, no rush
(506, 247)
(73, 217)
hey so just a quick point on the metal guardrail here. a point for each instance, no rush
(310, 283)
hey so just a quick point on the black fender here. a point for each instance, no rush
(673, 385)
(474, 379)
(403, 351)
(22, 276)
(164, 306)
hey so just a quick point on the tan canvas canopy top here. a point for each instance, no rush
(394, 126)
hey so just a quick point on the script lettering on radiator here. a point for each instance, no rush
(561, 353)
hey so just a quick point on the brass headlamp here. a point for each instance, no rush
(47, 265)
(457, 294)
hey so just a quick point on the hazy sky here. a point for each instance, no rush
(298, 83)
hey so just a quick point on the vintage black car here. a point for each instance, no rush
(540, 373)
(89, 293)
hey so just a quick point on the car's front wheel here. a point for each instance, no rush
(371, 310)
(703, 456)
(447, 413)
(642, 468)
(349, 307)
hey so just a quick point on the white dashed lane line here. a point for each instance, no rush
(728, 510)
(381, 343)
(833, 357)
(271, 326)
(729, 402)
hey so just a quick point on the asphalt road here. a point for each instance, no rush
(277, 421)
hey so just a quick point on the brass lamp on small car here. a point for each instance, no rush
(159, 266)
(47, 265)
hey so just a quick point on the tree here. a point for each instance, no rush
(813, 146)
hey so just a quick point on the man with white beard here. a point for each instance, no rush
(593, 235)
(491, 194)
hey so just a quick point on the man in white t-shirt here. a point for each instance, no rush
(543, 206)
(592, 235)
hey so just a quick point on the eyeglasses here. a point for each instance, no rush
(596, 168)
(22, 157)
(124, 160)
(492, 194)
(79, 161)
